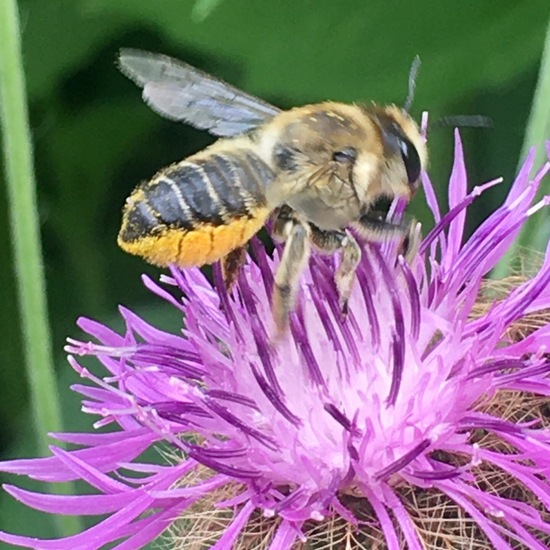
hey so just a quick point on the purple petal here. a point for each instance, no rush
(285, 536)
(458, 186)
(69, 504)
(107, 460)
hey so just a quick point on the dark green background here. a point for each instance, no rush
(94, 139)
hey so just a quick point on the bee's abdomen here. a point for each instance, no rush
(198, 210)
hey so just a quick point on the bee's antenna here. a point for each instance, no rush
(463, 121)
(413, 73)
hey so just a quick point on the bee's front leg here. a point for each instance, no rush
(411, 240)
(376, 229)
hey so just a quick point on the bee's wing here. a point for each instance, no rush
(180, 92)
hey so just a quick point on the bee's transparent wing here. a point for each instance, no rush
(180, 92)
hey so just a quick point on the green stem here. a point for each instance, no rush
(26, 240)
(535, 232)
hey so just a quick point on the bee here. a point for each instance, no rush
(317, 171)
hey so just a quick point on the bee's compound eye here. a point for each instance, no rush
(349, 154)
(410, 157)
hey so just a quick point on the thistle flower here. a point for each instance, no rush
(416, 422)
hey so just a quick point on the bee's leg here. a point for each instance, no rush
(411, 241)
(378, 230)
(331, 241)
(231, 266)
(282, 216)
(295, 257)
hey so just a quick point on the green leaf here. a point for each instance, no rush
(70, 31)
(353, 50)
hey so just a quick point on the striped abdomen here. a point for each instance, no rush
(198, 210)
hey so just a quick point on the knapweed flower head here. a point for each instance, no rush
(418, 421)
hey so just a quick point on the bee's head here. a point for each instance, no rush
(351, 152)
(405, 151)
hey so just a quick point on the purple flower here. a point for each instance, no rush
(417, 419)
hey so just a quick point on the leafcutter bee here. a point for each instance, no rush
(316, 170)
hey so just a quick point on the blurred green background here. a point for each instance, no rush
(94, 138)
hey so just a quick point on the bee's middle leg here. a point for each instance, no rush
(330, 242)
